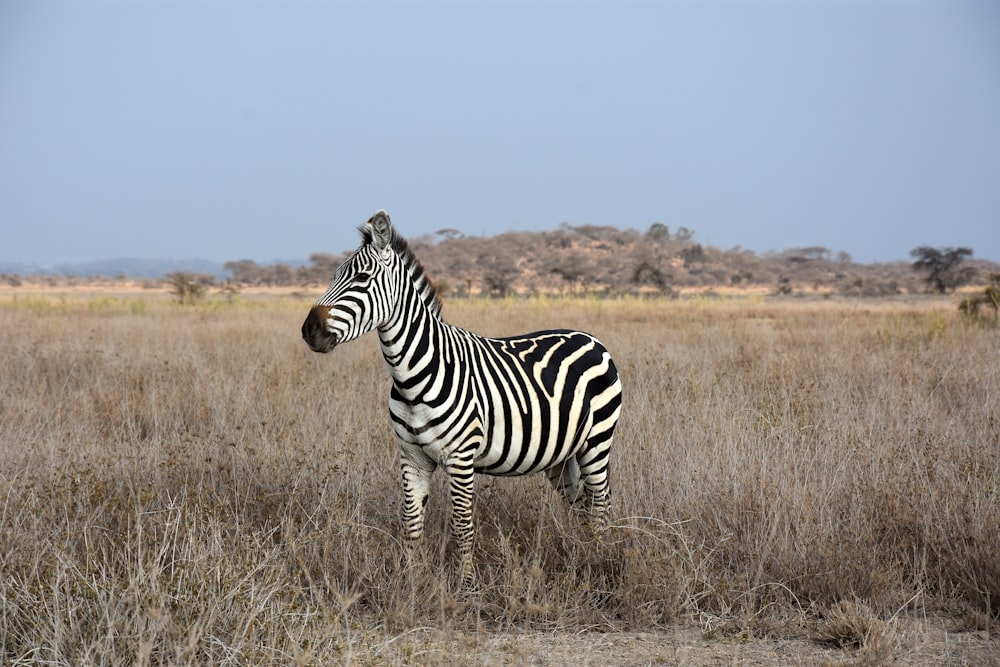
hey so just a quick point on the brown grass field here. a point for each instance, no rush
(795, 482)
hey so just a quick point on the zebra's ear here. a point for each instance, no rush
(381, 230)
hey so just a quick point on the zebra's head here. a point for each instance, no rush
(366, 288)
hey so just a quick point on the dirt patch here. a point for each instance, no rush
(908, 642)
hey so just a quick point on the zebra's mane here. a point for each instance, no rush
(412, 265)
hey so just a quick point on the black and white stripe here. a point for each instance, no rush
(546, 401)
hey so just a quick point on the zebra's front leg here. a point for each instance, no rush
(417, 469)
(461, 491)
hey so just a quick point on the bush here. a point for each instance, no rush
(985, 306)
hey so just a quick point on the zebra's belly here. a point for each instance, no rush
(510, 443)
(515, 447)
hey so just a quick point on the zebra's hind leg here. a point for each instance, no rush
(565, 478)
(596, 496)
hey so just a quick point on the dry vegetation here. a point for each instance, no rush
(190, 485)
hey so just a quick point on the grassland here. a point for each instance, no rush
(191, 485)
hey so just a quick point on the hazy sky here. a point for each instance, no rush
(263, 130)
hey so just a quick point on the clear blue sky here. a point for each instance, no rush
(263, 130)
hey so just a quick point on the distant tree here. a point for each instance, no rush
(499, 271)
(942, 267)
(279, 274)
(596, 232)
(648, 274)
(658, 232)
(684, 234)
(571, 273)
(243, 270)
(449, 234)
(498, 284)
(321, 268)
(808, 254)
(325, 261)
(189, 288)
(693, 254)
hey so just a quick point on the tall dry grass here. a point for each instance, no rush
(191, 485)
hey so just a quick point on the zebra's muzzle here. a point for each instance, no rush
(314, 331)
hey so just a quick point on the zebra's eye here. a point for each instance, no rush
(362, 277)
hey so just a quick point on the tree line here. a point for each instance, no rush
(608, 261)
(604, 260)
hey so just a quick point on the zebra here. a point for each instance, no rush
(546, 401)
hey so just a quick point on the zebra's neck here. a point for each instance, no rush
(412, 337)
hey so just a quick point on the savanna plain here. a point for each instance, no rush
(795, 481)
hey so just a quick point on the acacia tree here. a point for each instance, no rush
(648, 274)
(658, 232)
(189, 287)
(243, 271)
(942, 267)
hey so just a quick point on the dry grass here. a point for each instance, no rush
(191, 485)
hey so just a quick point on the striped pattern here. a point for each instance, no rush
(547, 401)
